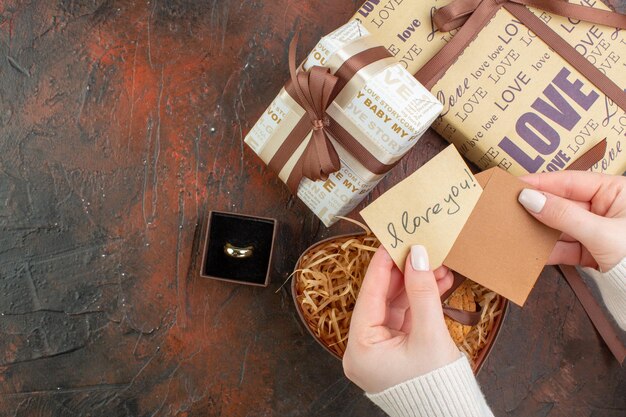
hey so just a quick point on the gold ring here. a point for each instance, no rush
(236, 252)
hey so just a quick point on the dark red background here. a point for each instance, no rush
(121, 126)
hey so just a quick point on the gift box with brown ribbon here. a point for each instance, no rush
(527, 85)
(342, 121)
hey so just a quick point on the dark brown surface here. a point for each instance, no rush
(121, 126)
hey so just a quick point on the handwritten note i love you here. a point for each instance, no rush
(429, 208)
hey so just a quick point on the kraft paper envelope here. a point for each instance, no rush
(484, 234)
(501, 246)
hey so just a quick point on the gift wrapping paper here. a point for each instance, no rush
(509, 100)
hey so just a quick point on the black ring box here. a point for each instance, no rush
(240, 231)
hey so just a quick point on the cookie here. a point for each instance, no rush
(462, 298)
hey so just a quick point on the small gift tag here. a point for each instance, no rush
(501, 246)
(430, 208)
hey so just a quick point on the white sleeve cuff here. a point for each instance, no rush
(612, 286)
(450, 391)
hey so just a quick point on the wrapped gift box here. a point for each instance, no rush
(376, 102)
(506, 98)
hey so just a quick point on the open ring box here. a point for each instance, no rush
(250, 235)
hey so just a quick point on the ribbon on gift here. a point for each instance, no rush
(315, 91)
(472, 15)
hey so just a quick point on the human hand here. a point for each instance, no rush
(590, 210)
(397, 331)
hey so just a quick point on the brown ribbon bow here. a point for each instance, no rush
(472, 15)
(315, 89)
(455, 14)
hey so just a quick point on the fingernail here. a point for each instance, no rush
(419, 258)
(384, 253)
(533, 200)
